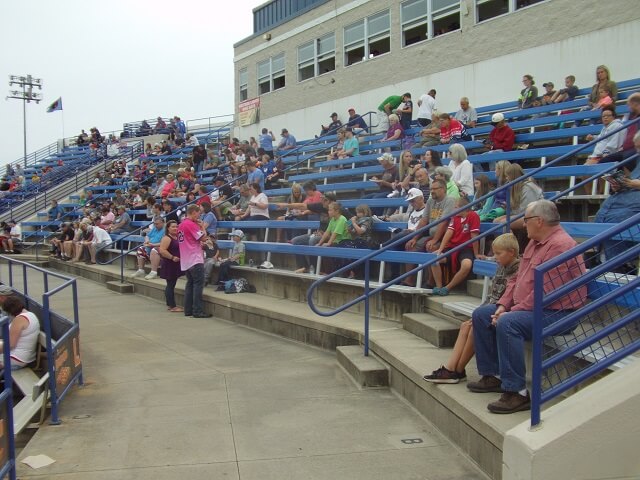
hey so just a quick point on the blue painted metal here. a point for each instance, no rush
(366, 258)
(6, 401)
(68, 282)
(542, 299)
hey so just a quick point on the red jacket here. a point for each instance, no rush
(502, 138)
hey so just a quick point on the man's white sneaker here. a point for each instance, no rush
(394, 194)
(151, 276)
(139, 273)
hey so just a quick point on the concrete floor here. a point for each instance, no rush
(171, 397)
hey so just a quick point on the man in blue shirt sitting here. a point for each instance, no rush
(288, 141)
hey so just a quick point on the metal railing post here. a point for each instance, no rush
(8, 387)
(536, 373)
(121, 262)
(366, 307)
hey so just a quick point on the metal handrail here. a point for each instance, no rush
(56, 397)
(51, 223)
(538, 397)
(208, 119)
(86, 160)
(315, 141)
(137, 231)
(506, 187)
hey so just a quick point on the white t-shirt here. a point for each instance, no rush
(463, 176)
(16, 232)
(25, 350)
(427, 106)
(100, 235)
(414, 219)
(260, 198)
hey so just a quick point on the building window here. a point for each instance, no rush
(424, 19)
(487, 9)
(367, 38)
(242, 81)
(415, 21)
(271, 74)
(317, 57)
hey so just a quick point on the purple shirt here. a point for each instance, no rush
(189, 235)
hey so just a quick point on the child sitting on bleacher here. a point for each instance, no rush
(462, 227)
(505, 249)
(236, 256)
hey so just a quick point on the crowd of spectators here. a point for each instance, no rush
(183, 209)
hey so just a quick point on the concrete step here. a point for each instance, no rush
(440, 332)
(366, 371)
(437, 306)
(474, 287)
(461, 415)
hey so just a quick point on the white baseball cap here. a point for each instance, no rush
(497, 117)
(237, 233)
(414, 193)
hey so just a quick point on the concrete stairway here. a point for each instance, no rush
(402, 351)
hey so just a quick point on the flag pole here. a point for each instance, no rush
(63, 137)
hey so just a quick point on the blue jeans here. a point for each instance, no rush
(303, 261)
(500, 349)
(193, 304)
(169, 292)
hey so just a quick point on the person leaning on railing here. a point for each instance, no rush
(500, 330)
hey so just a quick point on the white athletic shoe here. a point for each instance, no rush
(394, 194)
(139, 273)
(151, 276)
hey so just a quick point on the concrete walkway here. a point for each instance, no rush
(171, 397)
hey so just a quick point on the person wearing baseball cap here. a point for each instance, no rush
(548, 94)
(236, 256)
(356, 122)
(333, 127)
(417, 208)
(502, 137)
(288, 141)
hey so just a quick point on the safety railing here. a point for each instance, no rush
(40, 193)
(317, 141)
(129, 237)
(366, 260)
(211, 122)
(40, 234)
(573, 345)
(33, 157)
(64, 363)
(7, 439)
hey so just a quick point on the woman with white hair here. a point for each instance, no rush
(395, 132)
(462, 169)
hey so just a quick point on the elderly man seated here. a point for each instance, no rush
(500, 329)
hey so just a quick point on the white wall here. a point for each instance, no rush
(492, 81)
(592, 435)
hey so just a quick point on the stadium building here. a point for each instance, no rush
(307, 59)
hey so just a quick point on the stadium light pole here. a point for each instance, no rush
(27, 95)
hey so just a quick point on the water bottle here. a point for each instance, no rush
(312, 270)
